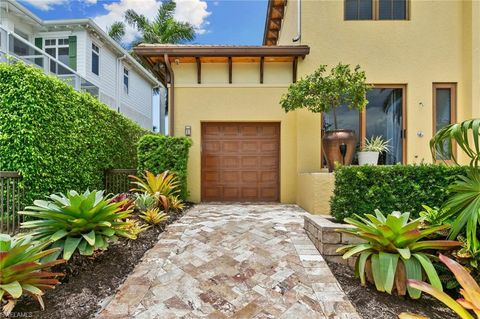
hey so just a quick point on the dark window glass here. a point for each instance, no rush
(125, 80)
(392, 9)
(358, 9)
(384, 116)
(443, 113)
(95, 63)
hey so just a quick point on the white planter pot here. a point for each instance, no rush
(368, 158)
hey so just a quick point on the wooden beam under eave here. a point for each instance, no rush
(230, 70)
(199, 70)
(294, 69)
(262, 62)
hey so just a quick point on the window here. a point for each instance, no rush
(444, 110)
(125, 80)
(384, 116)
(58, 49)
(376, 9)
(95, 59)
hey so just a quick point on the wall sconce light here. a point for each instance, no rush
(188, 130)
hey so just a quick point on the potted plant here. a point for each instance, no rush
(372, 148)
(319, 93)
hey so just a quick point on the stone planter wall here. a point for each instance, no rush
(321, 231)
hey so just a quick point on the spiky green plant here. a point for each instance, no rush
(144, 201)
(153, 216)
(376, 144)
(86, 222)
(22, 272)
(394, 251)
(162, 186)
(470, 291)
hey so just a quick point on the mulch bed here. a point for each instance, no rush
(88, 281)
(373, 304)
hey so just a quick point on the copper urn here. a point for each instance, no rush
(339, 146)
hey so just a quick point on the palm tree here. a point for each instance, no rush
(163, 29)
(116, 31)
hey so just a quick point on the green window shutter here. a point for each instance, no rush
(39, 42)
(72, 52)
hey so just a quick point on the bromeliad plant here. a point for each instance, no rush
(153, 216)
(163, 187)
(86, 222)
(145, 201)
(394, 251)
(22, 272)
(470, 291)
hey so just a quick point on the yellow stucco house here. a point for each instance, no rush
(422, 57)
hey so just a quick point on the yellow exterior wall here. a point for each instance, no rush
(314, 191)
(243, 101)
(435, 45)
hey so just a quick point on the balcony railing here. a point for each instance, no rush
(16, 47)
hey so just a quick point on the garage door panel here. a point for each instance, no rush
(213, 147)
(250, 162)
(230, 162)
(230, 146)
(249, 146)
(240, 161)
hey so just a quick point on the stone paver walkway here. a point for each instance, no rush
(232, 261)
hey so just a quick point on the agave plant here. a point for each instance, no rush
(145, 201)
(153, 216)
(393, 251)
(22, 272)
(470, 291)
(162, 186)
(77, 221)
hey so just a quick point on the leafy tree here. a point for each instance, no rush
(320, 92)
(163, 29)
(116, 31)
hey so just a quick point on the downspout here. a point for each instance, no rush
(120, 59)
(171, 95)
(299, 22)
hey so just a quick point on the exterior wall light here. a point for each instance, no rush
(188, 130)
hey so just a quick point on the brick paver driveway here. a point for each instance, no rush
(232, 261)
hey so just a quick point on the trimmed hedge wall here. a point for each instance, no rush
(362, 189)
(158, 153)
(57, 138)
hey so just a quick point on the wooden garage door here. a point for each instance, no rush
(240, 162)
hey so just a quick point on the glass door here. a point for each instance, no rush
(385, 117)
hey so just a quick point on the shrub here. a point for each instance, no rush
(86, 222)
(157, 153)
(22, 273)
(393, 251)
(362, 189)
(57, 138)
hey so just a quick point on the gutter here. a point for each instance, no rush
(299, 22)
(171, 96)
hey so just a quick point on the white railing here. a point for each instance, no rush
(16, 47)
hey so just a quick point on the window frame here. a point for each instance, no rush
(376, 12)
(126, 74)
(453, 112)
(57, 46)
(362, 117)
(97, 53)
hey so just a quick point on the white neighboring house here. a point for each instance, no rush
(81, 53)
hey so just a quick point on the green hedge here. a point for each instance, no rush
(57, 138)
(361, 189)
(158, 153)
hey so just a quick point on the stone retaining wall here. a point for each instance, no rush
(321, 231)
